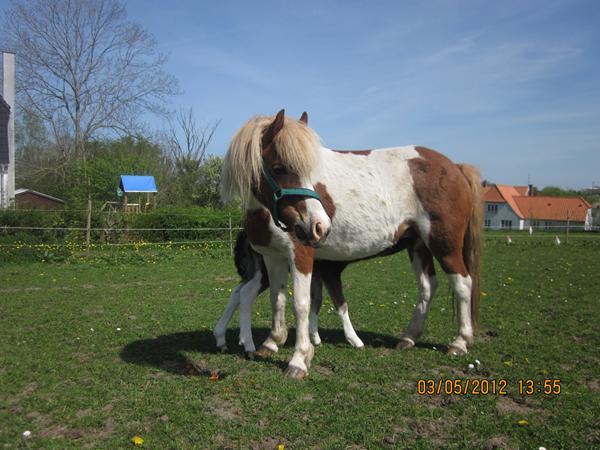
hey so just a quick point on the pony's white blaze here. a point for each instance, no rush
(367, 216)
(316, 212)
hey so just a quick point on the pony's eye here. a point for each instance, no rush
(279, 169)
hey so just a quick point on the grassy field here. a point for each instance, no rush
(96, 351)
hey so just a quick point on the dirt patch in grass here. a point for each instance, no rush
(225, 409)
(44, 427)
(488, 336)
(437, 431)
(506, 405)
(498, 442)
(594, 385)
(265, 443)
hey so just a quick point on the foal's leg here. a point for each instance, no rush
(277, 269)
(221, 326)
(422, 263)
(332, 276)
(247, 294)
(316, 301)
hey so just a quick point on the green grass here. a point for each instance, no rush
(71, 377)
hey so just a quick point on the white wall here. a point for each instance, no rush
(504, 213)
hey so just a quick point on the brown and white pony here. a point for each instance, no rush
(370, 203)
(255, 279)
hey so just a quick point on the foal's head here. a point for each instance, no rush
(272, 159)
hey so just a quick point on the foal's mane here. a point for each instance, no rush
(297, 147)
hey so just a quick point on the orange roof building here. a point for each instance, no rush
(513, 207)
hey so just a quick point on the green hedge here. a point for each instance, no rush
(170, 223)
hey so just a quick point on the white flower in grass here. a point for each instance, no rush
(26, 434)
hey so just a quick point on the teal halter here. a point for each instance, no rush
(279, 193)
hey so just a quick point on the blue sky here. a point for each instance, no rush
(510, 86)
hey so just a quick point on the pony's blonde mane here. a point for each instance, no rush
(297, 146)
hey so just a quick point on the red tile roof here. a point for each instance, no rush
(508, 193)
(553, 208)
(491, 194)
(538, 208)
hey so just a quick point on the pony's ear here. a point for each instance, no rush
(304, 118)
(272, 130)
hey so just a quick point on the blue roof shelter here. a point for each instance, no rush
(138, 184)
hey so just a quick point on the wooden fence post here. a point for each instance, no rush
(230, 237)
(88, 226)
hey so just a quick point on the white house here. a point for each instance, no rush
(514, 207)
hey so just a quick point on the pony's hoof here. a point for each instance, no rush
(223, 349)
(295, 373)
(404, 344)
(250, 355)
(263, 352)
(456, 351)
(360, 348)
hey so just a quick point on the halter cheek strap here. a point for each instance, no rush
(279, 193)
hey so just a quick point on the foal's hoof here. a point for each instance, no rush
(404, 344)
(250, 355)
(263, 352)
(295, 373)
(456, 351)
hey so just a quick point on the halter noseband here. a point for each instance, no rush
(279, 193)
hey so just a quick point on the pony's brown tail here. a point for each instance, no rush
(473, 243)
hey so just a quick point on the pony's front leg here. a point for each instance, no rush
(277, 269)
(304, 352)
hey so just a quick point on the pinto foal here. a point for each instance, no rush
(255, 279)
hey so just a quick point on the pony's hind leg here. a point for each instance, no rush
(461, 284)
(332, 277)
(422, 263)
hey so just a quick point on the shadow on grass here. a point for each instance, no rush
(166, 352)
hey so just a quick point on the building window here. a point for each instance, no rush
(493, 208)
(536, 224)
(506, 224)
(487, 223)
(547, 225)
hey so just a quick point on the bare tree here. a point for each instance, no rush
(187, 141)
(84, 69)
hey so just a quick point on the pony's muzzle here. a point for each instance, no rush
(313, 234)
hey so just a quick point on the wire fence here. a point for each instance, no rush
(86, 228)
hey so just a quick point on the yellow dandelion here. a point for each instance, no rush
(508, 363)
(523, 422)
(137, 441)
